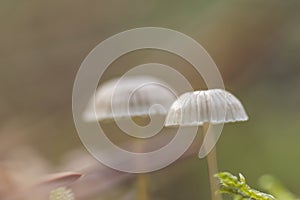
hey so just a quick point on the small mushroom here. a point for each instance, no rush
(208, 106)
(128, 97)
(202, 108)
(134, 97)
(51, 182)
(57, 180)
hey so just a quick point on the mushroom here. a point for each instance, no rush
(51, 182)
(131, 97)
(205, 108)
(58, 185)
(58, 180)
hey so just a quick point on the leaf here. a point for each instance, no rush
(61, 194)
(238, 187)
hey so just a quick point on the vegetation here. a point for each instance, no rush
(238, 187)
(61, 194)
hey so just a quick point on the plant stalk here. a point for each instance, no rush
(141, 179)
(212, 169)
(142, 187)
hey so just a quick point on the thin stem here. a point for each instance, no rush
(142, 187)
(142, 179)
(212, 169)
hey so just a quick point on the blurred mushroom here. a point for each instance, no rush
(57, 185)
(42, 188)
(59, 179)
(99, 179)
(202, 108)
(129, 97)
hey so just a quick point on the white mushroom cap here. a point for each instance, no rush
(132, 96)
(213, 106)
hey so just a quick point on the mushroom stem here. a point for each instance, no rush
(142, 178)
(142, 185)
(212, 169)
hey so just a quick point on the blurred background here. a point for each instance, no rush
(255, 44)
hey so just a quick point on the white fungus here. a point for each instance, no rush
(131, 96)
(213, 106)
